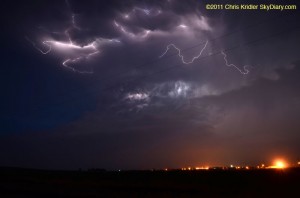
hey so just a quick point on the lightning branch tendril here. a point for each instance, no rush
(181, 56)
(39, 49)
(123, 29)
(66, 62)
(244, 71)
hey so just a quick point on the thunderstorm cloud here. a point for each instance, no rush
(145, 84)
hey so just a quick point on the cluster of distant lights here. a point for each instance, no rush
(278, 164)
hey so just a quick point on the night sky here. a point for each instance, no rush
(147, 84)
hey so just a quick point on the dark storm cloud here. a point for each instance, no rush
(255, 123)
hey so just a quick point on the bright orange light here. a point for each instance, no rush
(202, 168)
(280, 164)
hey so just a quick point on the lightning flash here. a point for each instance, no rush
(243, 71)
(76, 53)
(181, 56)
(85, 52)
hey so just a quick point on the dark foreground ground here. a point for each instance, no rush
(212, 183)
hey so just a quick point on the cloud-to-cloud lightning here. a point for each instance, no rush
(75, 60)
(76, 53)
(181, 56)
(79, 53)
(243, 71)
(143, 34)
(86, 51)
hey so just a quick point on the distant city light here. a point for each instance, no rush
(279, 164)
(202, 168)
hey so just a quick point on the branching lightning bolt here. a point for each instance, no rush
(69, 45)
(244, 71)
(181, 56)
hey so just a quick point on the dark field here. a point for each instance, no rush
(211, 183)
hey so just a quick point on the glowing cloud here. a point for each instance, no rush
(137, 96)
(180, 89)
